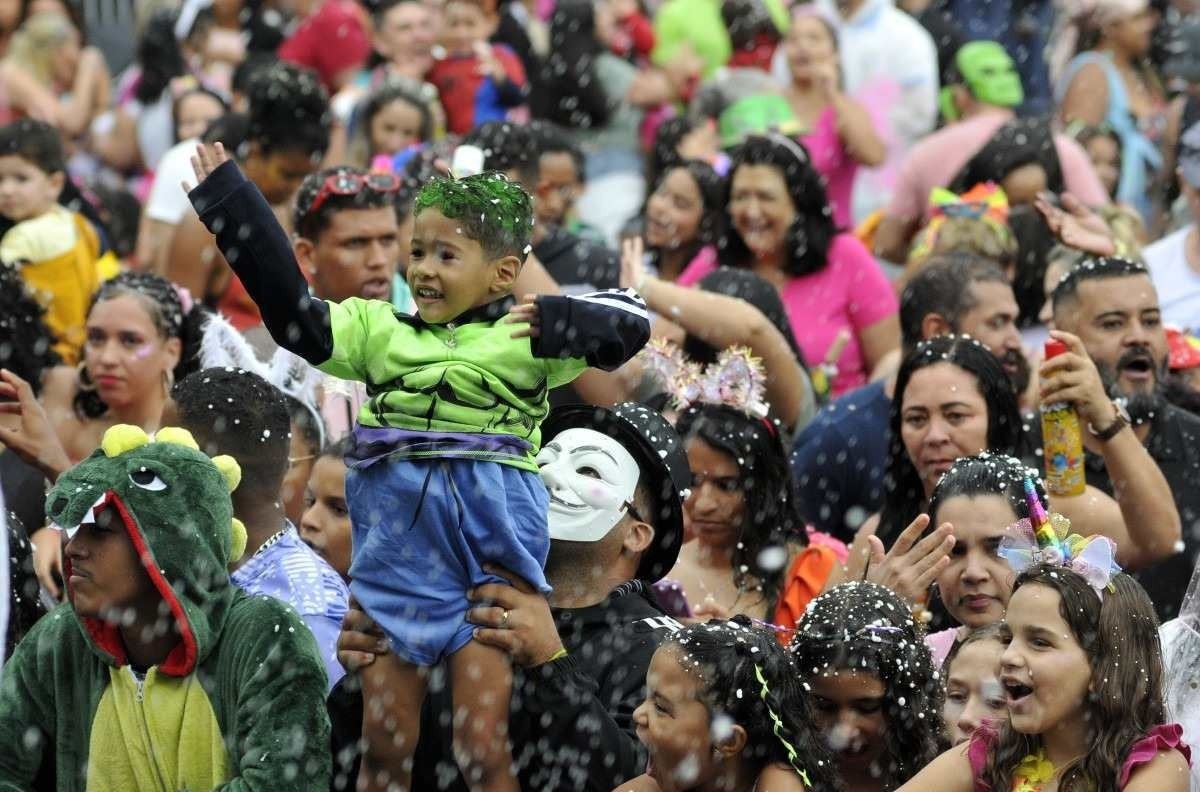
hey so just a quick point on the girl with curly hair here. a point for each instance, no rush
(876, 694)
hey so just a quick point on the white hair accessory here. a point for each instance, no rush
(222, 346)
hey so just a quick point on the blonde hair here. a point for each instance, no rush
(1127, 231)
(34, 44)
(966, 235)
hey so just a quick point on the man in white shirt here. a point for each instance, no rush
(1174, 260)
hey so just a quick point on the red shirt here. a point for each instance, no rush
(469, 98)
(330, 41)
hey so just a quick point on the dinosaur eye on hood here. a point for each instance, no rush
(147, 479)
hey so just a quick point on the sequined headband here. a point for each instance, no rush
(735, 380)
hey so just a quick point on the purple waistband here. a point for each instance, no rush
(373, 443)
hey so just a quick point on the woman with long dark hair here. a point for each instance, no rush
(747, 551)
(781, 227)
(954, 400)
(684, 218)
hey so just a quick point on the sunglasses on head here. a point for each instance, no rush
(351, 183)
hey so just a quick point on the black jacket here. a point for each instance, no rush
(571, 720)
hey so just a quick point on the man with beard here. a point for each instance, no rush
(616, 479)
(1112, 305)
(838, 461)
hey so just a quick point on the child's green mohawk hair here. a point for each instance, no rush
(495, 212)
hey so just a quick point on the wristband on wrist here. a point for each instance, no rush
(561, 653)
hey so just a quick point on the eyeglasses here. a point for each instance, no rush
(350, 183)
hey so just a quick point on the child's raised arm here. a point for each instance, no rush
(258, 250)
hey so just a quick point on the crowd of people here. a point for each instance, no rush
(620, 395)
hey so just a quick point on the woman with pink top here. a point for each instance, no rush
(781, 227)
(841, 135)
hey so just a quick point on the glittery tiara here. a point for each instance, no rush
(735, 380)
(1045, 538)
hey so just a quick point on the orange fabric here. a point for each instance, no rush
(805, 579)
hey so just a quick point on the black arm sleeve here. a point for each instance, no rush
(605, 328)
(580, 741)
(257, 248)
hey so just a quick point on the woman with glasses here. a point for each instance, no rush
(875, 692)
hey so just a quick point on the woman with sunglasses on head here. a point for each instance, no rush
(876, 694)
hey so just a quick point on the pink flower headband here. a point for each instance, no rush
(1047, 539)
(735, 380)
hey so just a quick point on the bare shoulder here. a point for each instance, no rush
(58, 387)
(950, 772)
(1166, 772)
(777, 777)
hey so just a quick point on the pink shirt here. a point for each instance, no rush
(851, 292)
(936, 160)
(834, 163)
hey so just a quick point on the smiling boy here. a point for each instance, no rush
(442, 477)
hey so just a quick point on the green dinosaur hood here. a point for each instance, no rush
(174, 503)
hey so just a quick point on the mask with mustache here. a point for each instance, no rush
(1142, 405)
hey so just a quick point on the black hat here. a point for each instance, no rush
(653, 442)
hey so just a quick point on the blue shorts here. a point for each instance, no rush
(422, 530)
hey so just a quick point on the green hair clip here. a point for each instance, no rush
(777, 726)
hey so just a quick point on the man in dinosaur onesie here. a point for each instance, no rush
(158, 674)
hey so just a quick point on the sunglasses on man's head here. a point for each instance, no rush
(350, 184)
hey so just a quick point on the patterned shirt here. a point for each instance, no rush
(291, 572)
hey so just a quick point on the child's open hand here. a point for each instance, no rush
(207, 159)
(526, 311)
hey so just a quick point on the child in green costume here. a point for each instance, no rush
(442, 478)
(159, 674)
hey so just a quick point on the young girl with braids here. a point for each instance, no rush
(443, 473)
(725, 710)
(139, 339)
(1082, 675)
(876, 694)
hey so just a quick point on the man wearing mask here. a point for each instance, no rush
(617, 479)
